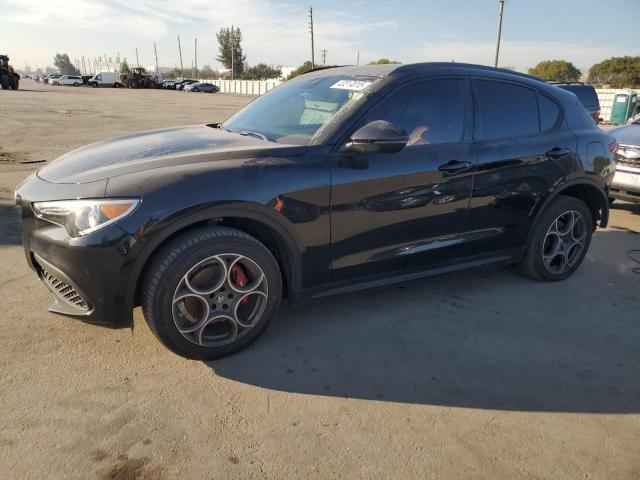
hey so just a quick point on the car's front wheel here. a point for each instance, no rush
(211, 292)
(559, 240)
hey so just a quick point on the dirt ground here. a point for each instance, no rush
(480, 374)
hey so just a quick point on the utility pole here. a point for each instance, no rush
(181, 67)
(195, 75)
(324, 57)
(233, 49)
(358, 59)
(313, 58)
(155, 50)
(137, 59)
(495, 63)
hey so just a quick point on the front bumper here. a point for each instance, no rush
(87, 276)
(626, 184)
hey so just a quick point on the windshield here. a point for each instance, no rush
(295, 111)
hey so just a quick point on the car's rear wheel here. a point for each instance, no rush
(196, 89)
(559, 241)
(211, 292)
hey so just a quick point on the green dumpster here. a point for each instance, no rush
(624, 104)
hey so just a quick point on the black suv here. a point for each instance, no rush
(586, 95)
(340, 179)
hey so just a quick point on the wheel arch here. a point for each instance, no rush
(587, 190)
(269, 231)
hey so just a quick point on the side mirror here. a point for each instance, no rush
(378, 136)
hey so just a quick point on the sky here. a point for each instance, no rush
(277, 32)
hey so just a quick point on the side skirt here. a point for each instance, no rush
(505, 257)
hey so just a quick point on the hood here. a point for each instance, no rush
(627, 135)
(154, 149)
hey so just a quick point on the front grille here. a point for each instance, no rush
(65, 291)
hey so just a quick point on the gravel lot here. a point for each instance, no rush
(480, 374)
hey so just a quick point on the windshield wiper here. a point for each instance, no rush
(249, 133)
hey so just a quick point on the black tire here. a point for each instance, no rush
(533, 263)
(168, 269)
(76, 84)
(196, 89)
(14, 82)
(4, 82)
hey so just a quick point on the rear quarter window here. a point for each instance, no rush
(549, 112)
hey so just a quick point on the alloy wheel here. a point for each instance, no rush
(220, 299)
(564, 242)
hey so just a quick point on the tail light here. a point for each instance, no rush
(613, 147)
(596, 116)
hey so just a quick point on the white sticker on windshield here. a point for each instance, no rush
(357, 85)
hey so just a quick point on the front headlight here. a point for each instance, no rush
(81, 217)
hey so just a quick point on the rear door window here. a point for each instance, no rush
(505, 110)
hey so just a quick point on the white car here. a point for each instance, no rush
(74, 80)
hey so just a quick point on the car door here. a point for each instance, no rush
(521, 152)
(404, 210)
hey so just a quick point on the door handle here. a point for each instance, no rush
(556, 152)
(454, 166)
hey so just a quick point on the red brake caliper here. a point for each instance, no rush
(239, 278)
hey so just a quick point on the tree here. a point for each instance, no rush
(556, 70)
(382, 61)
(206, 72)
(124, 66)
(230, 50)
(305, 67)
(262, 71)
(64, 65)
(616, 72)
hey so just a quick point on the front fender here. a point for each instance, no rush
(147, 240)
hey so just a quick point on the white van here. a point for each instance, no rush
(104, 79)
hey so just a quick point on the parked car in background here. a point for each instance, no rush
(626, 182)
(50, 78)
(340, 179)
(587, 96)
(74, 80)
(201, 87)
(183, 83)
(169, 83)
(86, 78)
